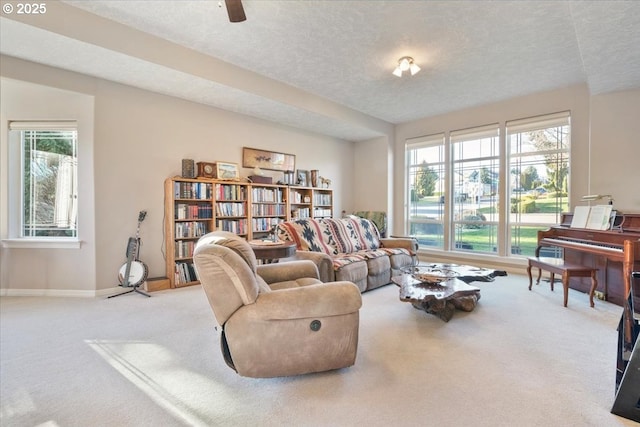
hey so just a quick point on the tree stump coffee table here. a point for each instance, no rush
(440, 289)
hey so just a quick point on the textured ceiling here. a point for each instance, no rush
(325, 66)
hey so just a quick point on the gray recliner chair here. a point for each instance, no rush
(276, 319)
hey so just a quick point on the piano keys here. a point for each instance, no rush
(615, 253)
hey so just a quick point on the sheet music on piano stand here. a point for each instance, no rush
(597, 217)
(627, 401)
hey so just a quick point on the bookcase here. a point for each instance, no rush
(300, 202)
(194, 207)
(188, 215)
(322, 203)
(268, 208)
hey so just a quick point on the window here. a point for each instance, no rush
(426, 177)
(489, 190)
(43, 180)
(538, 178)
(476, 177)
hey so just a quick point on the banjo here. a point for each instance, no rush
(134, 272)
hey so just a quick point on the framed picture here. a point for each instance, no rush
(226, 170)
(302, 177)
(252, 157)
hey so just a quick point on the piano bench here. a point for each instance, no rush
(566, 270)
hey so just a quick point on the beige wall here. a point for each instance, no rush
(139, 141)
(373, 175)
(615, 148)
(140, 138)
(71, 270)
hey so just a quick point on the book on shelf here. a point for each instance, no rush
(598, 217)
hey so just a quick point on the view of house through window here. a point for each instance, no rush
(476, 177)
(538, 178)
(426, 177)
(48, 178)
(533, 168)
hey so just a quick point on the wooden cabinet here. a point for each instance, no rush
(194, 207)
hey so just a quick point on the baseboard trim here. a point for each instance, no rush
(63, 293)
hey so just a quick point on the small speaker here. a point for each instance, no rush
(188, 168)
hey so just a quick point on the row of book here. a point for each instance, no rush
(185, 273)
(230, 209)
(192, 190)
(191, 229)
(322, 213)
(184, 249)
(193, 211)
(231, 192)
(321, 199)
(264, 224)
(300, 213)
(268, 210)
(238, 226)
(274, 195)
(297, 197)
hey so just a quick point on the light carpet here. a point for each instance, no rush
(519, 359)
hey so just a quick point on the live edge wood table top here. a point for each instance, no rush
(441, 299)
(268, 251)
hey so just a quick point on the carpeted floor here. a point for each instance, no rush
(520, 358)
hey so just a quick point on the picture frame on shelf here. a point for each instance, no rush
(227, 171)
(270, 160)
(302, 178)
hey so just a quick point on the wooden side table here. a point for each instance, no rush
(268, 252)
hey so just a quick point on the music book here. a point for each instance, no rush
(592, 217)
(580, 217)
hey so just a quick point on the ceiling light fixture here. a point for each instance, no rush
(406, 63)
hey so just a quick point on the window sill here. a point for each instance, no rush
(42, 243)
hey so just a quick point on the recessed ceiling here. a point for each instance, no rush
(325, 66)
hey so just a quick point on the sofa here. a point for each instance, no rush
(349, 249)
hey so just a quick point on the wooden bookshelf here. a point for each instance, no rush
(195, 207)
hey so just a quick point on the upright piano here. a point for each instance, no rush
(615, 253)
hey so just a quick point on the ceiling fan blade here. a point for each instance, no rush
(235, 10)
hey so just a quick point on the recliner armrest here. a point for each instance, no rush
(320, 300)
(287, 271)
(323, 261)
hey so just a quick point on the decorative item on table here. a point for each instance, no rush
(289, 178)
(325, 182)
(302, 177)
(434, 275)
(314, 177)
(188, 168)
(206, 170)
(259, 177)
(270, 160)
(219, 170)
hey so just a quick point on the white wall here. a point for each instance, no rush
(139, 141)
(68, 271)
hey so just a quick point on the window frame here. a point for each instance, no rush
(503, 160)
(15, 237)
